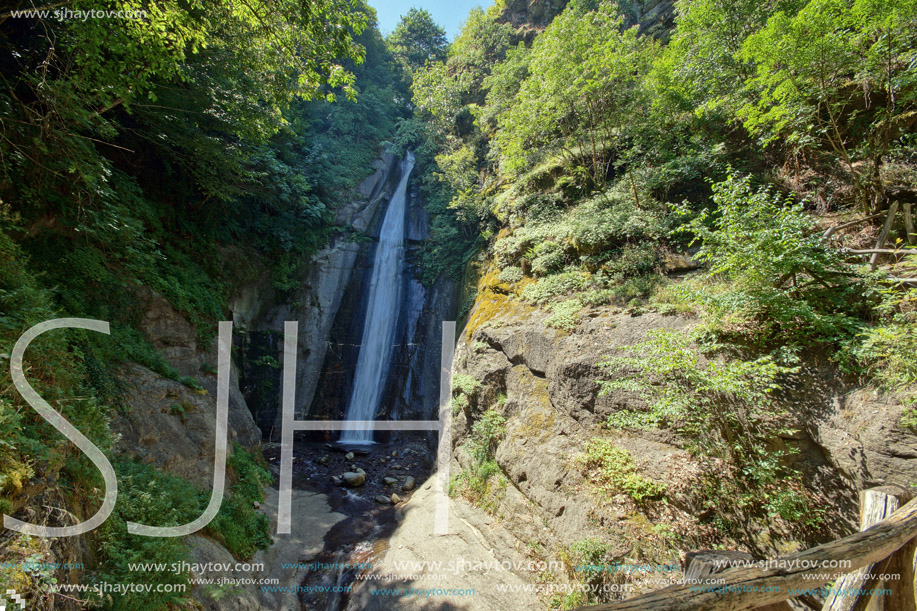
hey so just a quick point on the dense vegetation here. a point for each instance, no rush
(570, 165)
(179, 151)
(567, 165)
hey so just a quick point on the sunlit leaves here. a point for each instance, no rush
(579, 88)
(836, 78)
(417, 40)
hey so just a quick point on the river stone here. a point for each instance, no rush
(336, 480)
(323, 459)
(390, 481)
(383, 500)
(354, 479)
(395, 499)
(408, 484)
(348, 456)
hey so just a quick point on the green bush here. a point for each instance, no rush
(546, 258)
(565, 314)
(723, 408)
(612, 220)
(486, 433)
(463, 384)
(482, 484)
(459, 404)
(573, 600)
(554, 286)
(886, 349)
(639, 288)
(147, 496)
(508, 251)
(242, 529)
(634, 260)
(909, 419)
(596, 297)
(784, 285)
(793, 505)
(511, 274)
(588, 551)
(613, 470)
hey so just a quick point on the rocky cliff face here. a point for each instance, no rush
(259, 313)
(169, 424)
(543, 382)
(412, 384)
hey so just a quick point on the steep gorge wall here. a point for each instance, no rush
(412, 383)
(172, 425)
(543, 381)
(259, 312)
(329, 307)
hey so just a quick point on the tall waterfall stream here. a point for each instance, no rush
(381, 313)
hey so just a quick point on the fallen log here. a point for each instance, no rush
(832, 230)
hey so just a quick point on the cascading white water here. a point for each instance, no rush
(381, 313)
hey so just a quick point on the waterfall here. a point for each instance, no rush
(381, 313)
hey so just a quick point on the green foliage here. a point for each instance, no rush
(184, 153)
(885, 349)
(546, 257)
(601, 251)
(784, 284)
(453, 234)
(243, 63)
(502, 85)
(448, 96)
(511, 274)
(482, 482)
(611, 220)
(459, 404)
(554, 286)
(724, 408)
(612, 469)
(814, 68)
(909, 419)
(238, 525)
(794, 506)
(417, 39)
(579, 91)
(589, 551)
(486, 434)
(573, 600)
(703, 50)
(464, 391)
(565, 314)
(147, 496)
(465, 384)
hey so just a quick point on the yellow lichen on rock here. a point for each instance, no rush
(494, 300)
